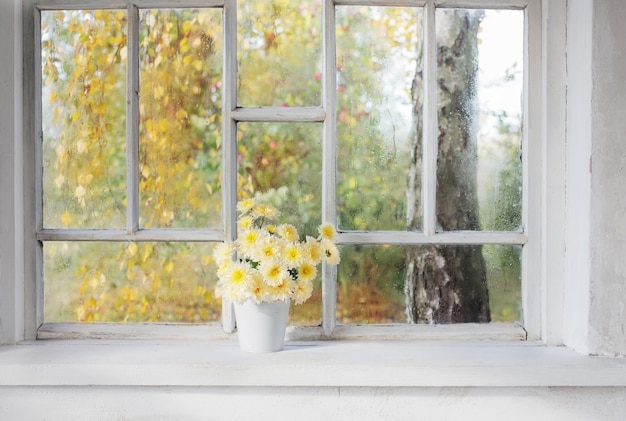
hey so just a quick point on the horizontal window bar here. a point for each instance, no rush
(121, 235)
(155, 4)
(468, 4)
(121, 4)
(380, 237)
(279, 114)
(213, 331)
(208, 331)
(453, 237)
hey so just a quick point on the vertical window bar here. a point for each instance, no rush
(532, 172)
(132, 122)
(39, 292)
(38, 126)
(229, 141)
(429, 149)
(329, 213)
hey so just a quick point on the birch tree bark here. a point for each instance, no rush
(448, 284)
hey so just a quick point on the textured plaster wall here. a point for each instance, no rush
(607, 328)
(10, 95)
(320, 403)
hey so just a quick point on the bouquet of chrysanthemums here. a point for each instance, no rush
(269, 262)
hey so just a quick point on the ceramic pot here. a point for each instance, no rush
(261, 327)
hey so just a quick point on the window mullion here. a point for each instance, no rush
(429, 167)
(132, 123)
(229, 136)
(329, 214)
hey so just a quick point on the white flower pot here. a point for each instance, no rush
(261, 327)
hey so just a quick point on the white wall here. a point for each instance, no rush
(320, 403)
(596, 262)
(11, 296)
(607, 327)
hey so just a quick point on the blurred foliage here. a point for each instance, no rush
(84, 66)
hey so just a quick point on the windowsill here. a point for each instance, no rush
(304, 363)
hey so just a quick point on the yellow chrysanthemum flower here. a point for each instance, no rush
(327, 231)
(288, 232)
(303, 291)
(245, 222)
(312, 251)
(268, 248)
(223, 268)
(245, 205)
(258, 288)
(306, 272)
(284, 291)
(238, 280)
(331, 251)
(265, 211)
(273, 272)
(250, 239)
(292, 255)
(223, 253)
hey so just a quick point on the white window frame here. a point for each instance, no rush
(534, 174)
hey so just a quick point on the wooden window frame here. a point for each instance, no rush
(532, 152)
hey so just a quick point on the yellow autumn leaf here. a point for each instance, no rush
(181, 114)
(207, 259)
(66, 218)
(169, 267)
(146, 252)
(131, 250)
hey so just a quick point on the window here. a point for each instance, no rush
(406, 125)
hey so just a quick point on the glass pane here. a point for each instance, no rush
(180, 118)
(480, 77)
(279, 44)
(129, 282)
(84, 122)
(450, 284)
(283, 162)
(377, 64)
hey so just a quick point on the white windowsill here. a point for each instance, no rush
(304, 363)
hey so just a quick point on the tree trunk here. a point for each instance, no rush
(448, 284)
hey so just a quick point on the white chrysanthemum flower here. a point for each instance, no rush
(258, 288)
(331, 251)
(273, 272)
(312, 251)
(327, 231)
(303, 291)
(249, 239)
(224, 268)
(224, 253)
(292, 255)
(237, 281)
(288, 232)
(245, 205)
(284, 291)
(267, 248)
(245, 222)
(265, 211)
(306, 272)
